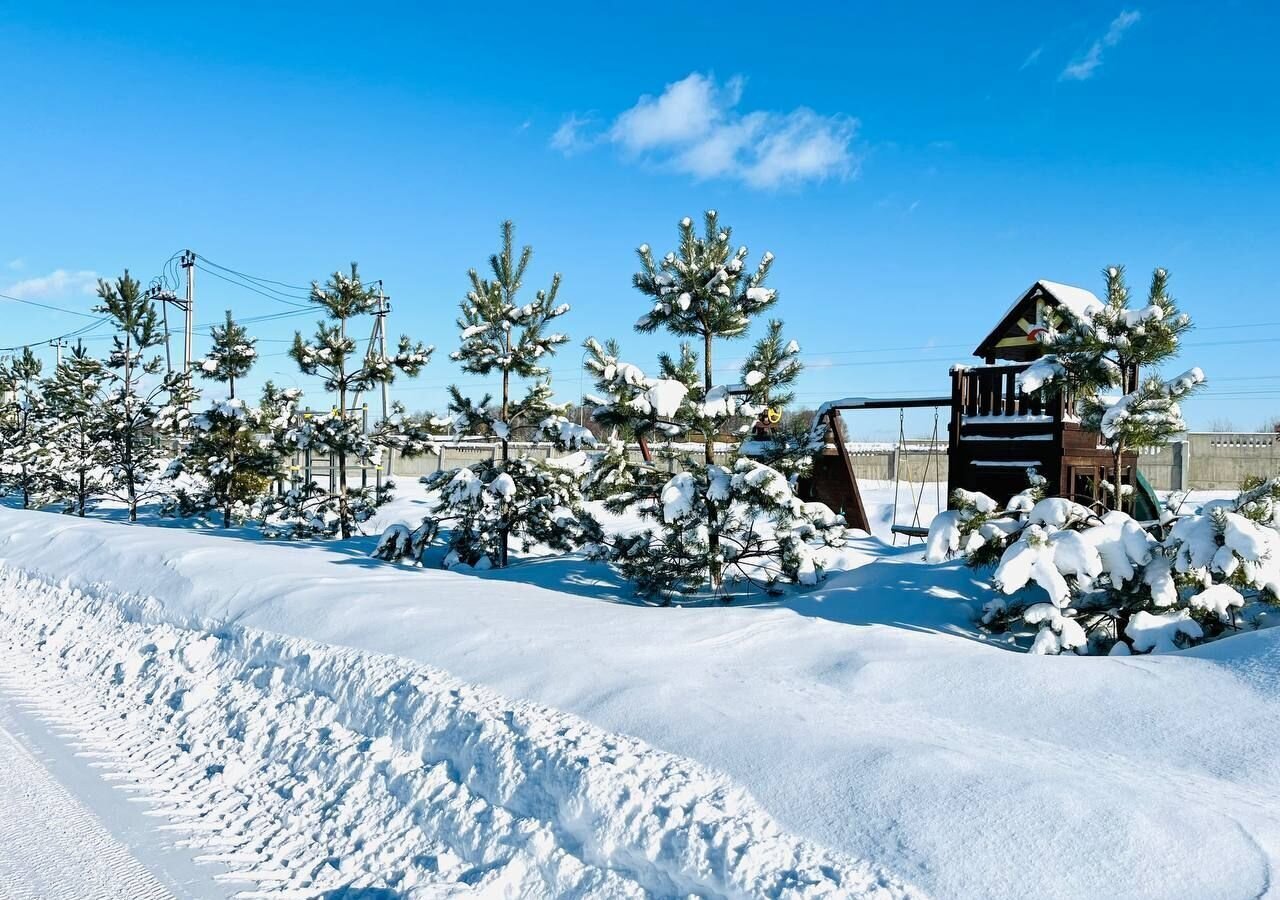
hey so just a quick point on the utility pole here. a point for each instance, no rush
(380, 330)
(384, 307)
(189, 263)
(58, 343)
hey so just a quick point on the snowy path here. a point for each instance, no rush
(51, 846)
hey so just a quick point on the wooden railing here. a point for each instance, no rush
(993, 391)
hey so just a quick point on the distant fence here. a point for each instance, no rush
(1195, 461)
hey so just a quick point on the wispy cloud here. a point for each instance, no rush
(1031, 59)
(573, 135)
(1083, 68)
(695, 127)
(60, 282)
(17, 264)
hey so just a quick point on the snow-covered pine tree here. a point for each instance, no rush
(142, 403)
(1095, 357)
(1090, 583)
(231, 355)
(331, 354)
(712, 522)
(25, 466)
(500, 334)
(76, 395)
(231, 457)
(704, 291)
(769, 373)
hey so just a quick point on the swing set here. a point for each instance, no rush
(835, 483)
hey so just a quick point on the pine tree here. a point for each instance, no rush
(769, 373)
(712, 523)
(501, 334)
(331, 354)
(1090, 584)
(771, 369)
(1096, 357)
(25, 455)
(141, 404)
(228, 463)
(231, 355)
(77, 398)
(231, 458)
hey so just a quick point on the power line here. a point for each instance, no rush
(61, 309)
(278, 298)
(296, 287)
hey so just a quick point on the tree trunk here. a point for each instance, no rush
(131, 489)
(344, 511)
(713, 537)
(504, 533)
(1118, 457)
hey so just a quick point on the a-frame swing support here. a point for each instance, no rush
(843, 492)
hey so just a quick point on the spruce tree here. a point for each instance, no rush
(25, 455)
(1096, 356)
(142, 403)
(231, 355)
(77, 399)
(331, 354)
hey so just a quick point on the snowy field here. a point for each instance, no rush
(229, 717)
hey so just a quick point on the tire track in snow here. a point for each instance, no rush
(303, 768)
(52, 847)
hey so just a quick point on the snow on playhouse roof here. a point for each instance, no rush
(1012, 338)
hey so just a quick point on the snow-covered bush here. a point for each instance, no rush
(312, 509)
(766, 534)
(229, 462)
(1101, 583)
(532, 503)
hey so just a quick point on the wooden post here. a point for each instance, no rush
(856, 516)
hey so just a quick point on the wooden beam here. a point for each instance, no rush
(857, 516)
(903, 403)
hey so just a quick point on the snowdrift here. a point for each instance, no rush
(306, 768)
(865, 717)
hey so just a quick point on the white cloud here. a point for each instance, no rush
(59, 282)
(695, 127)
(571, 137)
(687, 110)
(1031, 58)
(17, 264)
(1083, 68)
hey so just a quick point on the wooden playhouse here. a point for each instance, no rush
(995, 432)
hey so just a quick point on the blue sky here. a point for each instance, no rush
(913, 168)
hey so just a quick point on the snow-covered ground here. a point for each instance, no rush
(308, 714)
(54, 846)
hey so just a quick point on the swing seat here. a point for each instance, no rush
(915, 531)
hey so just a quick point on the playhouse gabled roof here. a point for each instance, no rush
(1012, 339)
